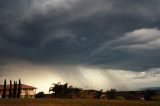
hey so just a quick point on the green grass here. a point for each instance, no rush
(74, 102)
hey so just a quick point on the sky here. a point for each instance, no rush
(91, 44)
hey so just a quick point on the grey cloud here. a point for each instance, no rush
(142, 39)
(77, 32)
(80, 76)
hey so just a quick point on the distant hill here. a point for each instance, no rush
(151, 88)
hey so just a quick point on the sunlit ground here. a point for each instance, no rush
(74, 102)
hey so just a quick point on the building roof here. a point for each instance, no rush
(23, 86)
(27, 87)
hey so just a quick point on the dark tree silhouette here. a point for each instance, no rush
(40, 95)
(4, 89)
(99, 94)
(56, 89)
(63, 91)
(72, 92)
(15, 89)
(19, 89)
(10, 89)
(111, 94)
(148, 94)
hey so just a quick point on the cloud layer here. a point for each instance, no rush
(42, 77)
(104, 34)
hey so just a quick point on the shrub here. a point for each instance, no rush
(40, 95)
(120, 98)
(83, 95)
(156, 98)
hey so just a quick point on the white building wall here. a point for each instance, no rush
(28, 93)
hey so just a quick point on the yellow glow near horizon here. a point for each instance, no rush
(42, 76)
(45, 83)
(94, 77)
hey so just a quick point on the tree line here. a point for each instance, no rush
(64, 91)
(14, 89)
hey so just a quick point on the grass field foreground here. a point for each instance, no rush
(74, 102)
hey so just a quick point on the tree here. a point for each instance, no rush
(99, 94)
(4, 89)
(111, 94)
(19, 89)
(148, 94)
(15, 89)
(56, 89)
(40, 95)
(10, 89)
(72, 92)
(63, 91)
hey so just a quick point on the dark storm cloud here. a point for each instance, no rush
(85, 32)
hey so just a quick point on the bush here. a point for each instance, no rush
(148, 94)
(40, 95)
(111, 94)
(120, 98)
(83, 95)
(156, 98)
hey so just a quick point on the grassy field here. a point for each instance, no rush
(74, 102)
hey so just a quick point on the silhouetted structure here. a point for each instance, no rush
(19, 89)
(131, 95)
(149, 93)
(63, 91)
(26, 91)
(4, 90)
(111, 94)
(99, 94)
(40, 95)
(10, 89)
(15, 90)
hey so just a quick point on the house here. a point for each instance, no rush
(26, 91)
